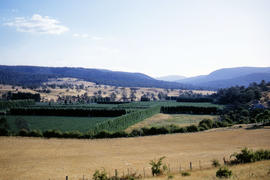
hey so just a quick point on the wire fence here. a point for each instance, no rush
(173, 167)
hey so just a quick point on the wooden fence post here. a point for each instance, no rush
(190, 165)
(144, 172)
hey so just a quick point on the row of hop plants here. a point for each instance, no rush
(95, 134)
(47, 111)
(16, 103)
(203, 125)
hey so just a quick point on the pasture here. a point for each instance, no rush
(39, 158)
(171, 119)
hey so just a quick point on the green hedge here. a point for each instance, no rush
(68, 112)
(123, 122)
(189, 110)
(16, 103)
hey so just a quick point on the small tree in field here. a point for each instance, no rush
(157, 168)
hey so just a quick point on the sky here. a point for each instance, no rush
(155, 37)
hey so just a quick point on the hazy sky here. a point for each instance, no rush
(155, 37)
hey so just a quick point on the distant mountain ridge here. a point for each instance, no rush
(171, 78)
(36, 75)
(227, 77)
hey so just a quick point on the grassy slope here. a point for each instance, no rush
(167, 119)
(63, 123)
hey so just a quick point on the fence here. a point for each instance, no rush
(174, 167)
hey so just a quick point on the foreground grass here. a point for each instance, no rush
(180, 120)
(63, 123)
(40, 158)
(251, 171)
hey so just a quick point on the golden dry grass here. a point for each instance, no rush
(251, 171)
(37, 158)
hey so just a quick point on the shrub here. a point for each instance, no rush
(192, 128)
(103, 134)
(215, 163)
(52, 133)
(245, 156)
(23, 132)
(35, 133)
(157, 168)
(100, 175)
(185, 173)
(223, 172)
(180, 130)
(4, 132)
(119, 134)
(207, 122)
(203, 127)
(72, 134)
(136, 132)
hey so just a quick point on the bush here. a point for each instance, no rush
(223, 172)
(180, 130)
(23, 132)
(136, 132)
(103, 134)
(215, 163)
(4, 132)
(35, 133)
(52, 133)
(119, 134)
(157, 168)
(207, 122)
(192, 128)
(185, 173)
(72, 134)
(100, 175)
(247, 155)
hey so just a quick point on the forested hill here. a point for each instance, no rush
(227, 77)
(33, 76)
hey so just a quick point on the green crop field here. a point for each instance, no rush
(63, 123)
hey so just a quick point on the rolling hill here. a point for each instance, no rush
(171, 78)
(227, 77)
(33, 76)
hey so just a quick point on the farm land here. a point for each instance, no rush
(187, 139)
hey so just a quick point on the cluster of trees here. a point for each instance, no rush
(21, 95)
(193, 99)
(189, 110)
(242, 103)
(16, 103)
(54, 111)
(241, 95)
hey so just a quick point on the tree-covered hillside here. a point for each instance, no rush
(34, 76)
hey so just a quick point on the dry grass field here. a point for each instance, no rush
(252, 171)
(36, 158)
(92, 89)
(170, 119)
